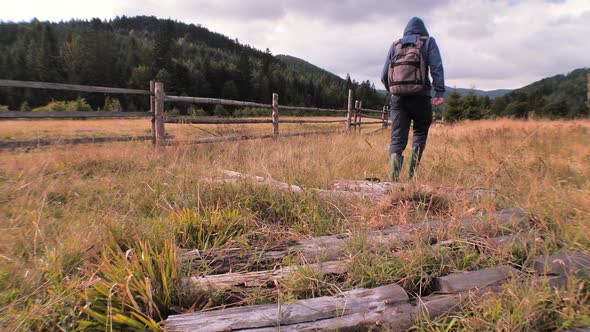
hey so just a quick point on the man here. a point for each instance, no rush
(415, 106)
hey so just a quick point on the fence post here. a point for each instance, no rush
(275, 115)
(159, 111)
(349, 114)
(153, 111)
(360, 115)
(356, 114)
(384, 117)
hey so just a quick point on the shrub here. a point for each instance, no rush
(220, 111)
(196, 111)
(24, 107)
(112, 105)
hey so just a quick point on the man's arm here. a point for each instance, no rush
(385, 70)
(436, 69)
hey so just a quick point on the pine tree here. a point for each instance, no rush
(453, 111)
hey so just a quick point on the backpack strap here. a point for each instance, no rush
(421, 41)
(398, 46)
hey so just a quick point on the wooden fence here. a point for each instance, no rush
(353, 121)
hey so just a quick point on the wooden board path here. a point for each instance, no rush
(266, 278)
(333, 247)
(388, 306)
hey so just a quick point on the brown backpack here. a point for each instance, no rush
(407, 70)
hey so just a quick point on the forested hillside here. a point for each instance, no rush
(189, 59)
(557, 97)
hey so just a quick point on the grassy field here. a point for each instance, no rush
(90, 234)
(19, 130)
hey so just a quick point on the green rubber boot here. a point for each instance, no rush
(415, 157)
(396, 160)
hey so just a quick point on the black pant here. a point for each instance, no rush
(417, 108)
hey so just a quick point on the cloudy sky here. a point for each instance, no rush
(487, 44)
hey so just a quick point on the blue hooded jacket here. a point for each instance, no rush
(432, 58)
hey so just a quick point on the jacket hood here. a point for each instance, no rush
(415, 27)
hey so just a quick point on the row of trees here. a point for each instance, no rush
(557, 97)
(189, 59)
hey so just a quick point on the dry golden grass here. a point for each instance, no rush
(17, 130)
(59, 205)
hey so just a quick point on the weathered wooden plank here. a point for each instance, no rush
(372, 117)
(275, 115)
(349, 110)
(461, 282)
(70, 87)
(216, 101)
(384, 187)
(331, 247)
(312, 109)
(365, 123)
(580, 329)
(312, 121)
(71, 115)
(563, 264)
(368, 110)
(391, 315)
(248, 137)
(192, 120)
(265, 278)
(159, 112)
(67, 141)
(353, 302)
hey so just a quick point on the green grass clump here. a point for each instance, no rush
(209, 228)
(129, 287)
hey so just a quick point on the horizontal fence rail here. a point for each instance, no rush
(158, 98)
(68, 141)
(72, 115)
(311, 109)
(226, 102)
(249, 137)
(366, 110)
(70, 87)
(213, 121)
(371, 117)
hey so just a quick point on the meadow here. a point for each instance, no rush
(90, 235)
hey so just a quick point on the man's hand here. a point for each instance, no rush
(438, 101)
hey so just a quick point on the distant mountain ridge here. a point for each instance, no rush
(463, 92)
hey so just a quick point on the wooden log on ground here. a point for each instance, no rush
(343, 189)
(355, 302)
(332, 247)
(563, 264)
(461, 282)
(265, 278)
(384, 187)
(386, 306)
(228, 281)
